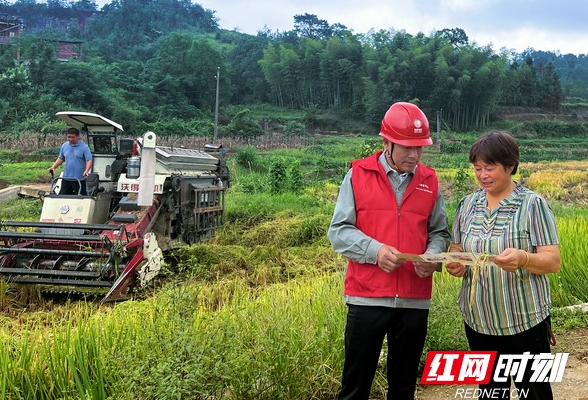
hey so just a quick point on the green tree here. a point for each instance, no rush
(84, 5)
(309, 25)
(42, 60)
(13, 82)
(184, 71)
(132, 27)
(549, 88)
(527, 83)
(456, 36)
(248, 83)
(76, 84)
(340, 63)
(270, 65)
(289, 65)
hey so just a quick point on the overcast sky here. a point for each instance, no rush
(549, 25)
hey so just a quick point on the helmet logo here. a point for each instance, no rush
(417, 126)
(405, 124)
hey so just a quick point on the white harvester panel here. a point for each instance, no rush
(70, 210)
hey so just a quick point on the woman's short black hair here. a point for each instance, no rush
(496, 147)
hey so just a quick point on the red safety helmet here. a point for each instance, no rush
(405, 124)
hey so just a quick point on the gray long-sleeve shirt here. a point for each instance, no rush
(347, 240)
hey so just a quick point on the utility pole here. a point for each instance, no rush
(216, 108)
(439, 129)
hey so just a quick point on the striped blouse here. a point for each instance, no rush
(504, 303)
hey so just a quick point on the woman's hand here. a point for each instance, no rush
(454, 268)
(511, 259)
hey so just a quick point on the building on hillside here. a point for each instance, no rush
(69, 50)
(10, 30)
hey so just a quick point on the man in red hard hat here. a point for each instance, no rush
(389, 203)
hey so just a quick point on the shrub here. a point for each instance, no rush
(244, 126)
(10, 156)
(294, 128)
(370, 146)
(462, 183)
(182, 127)
(296, 180)
(278, 175)
(247, 157)
(453, 147)
(253, 182)
(551, 129)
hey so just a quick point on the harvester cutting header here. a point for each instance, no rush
(142, 199)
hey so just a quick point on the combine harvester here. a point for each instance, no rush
(142, 200)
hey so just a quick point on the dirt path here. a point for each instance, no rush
(574, 385)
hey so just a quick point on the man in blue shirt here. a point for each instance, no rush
(78, 162)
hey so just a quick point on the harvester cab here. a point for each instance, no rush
(142, 199)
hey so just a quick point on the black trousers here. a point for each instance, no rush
(406, 329)
(534, 340)
(72, 187)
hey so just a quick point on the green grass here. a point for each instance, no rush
(269, 112)
(19, 173)
(20, 209)
(563, 319)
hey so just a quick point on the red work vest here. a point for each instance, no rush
(404, 228)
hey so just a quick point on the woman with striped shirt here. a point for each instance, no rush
(506, 303)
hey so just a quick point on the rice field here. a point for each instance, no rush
(256, 314)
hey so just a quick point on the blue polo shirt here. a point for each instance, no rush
(75, 158)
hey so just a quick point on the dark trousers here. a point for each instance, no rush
(534, 340)
(366, 328)
(72, 187)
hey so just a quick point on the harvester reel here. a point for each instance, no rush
(176, 184)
